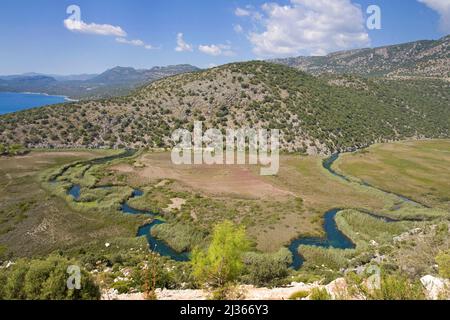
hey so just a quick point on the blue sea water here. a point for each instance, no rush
(12, 102)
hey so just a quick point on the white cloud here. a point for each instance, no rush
(137, 43)
(238, 28)
(182, 45)
(216, 50)
(443, 8)
(93, 28)
(242, 12)
(249, 11)
(309, 27)
(104, 30)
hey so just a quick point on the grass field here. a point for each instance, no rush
(35, 222)
(416, 169)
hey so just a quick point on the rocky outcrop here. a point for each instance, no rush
(436, 288)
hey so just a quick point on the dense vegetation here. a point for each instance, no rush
(314, 114)
(12, 150)
(44, 280)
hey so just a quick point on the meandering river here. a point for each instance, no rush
(334, 238)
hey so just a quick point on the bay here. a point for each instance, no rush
(13, 102)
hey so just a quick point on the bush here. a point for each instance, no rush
(299, 295)
(398, 287)
(16, 281)
(443, 261)
(267, 269)
(319, 294)
(12, 150)
(2, 285)
(3, 250)
(45, 280)
(180, 237)
(122, 286)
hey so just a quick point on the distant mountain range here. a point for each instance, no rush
(427, 58)
(113, 82)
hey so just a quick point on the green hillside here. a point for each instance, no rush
(316, 115)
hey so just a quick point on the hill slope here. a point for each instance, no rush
(322, 114)
(426, 58)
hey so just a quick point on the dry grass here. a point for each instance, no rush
(220, 180)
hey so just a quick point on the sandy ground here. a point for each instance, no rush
(176, 204)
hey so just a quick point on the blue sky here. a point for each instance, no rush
(36, 36)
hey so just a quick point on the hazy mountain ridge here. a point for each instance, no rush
(427, 58)
(131, 76)
(315, 114)
(113, 82)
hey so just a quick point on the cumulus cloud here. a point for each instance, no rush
(93, 28)
(182, 45)
(136, 43)
(309, 27)
(442, 7)
(216, 50)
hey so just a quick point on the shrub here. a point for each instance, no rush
(180, 237)
(398, 287)
(3, 250)
(122, 286)
(45, 280)
(319, 294)
(299, 295)
(443, 261)
(267, 269)
(3, 280)
(12, 150)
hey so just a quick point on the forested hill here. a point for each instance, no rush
(315, 114)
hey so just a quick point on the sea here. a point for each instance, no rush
(12, 102)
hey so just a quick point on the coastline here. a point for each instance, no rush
(12, 102)
(67, 98)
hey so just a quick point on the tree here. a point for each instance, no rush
(221, 264)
